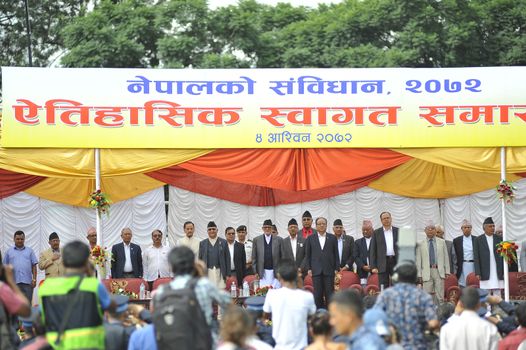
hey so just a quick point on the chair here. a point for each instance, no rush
(472, 280)
(229, 281)
(372, 289)
(373, 280)
(308, 281)
(348, 279)
(308, 288)
(450, 281)
(160, 281)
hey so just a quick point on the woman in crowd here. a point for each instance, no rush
(235, 329)
(321, 332)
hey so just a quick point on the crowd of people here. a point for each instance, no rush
(196, 311)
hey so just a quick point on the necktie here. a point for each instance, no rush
(432, 259)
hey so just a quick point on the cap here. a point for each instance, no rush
(255, 303)
(307, 214)
(488, 220)
(267, 222)
(376, 321)
(241, 228)
(122, 303)
(53, 235)
(483, 295)
(338, 222)
(212, 224)
(293, 222)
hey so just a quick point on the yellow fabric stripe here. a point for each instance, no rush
(421, 179)
(76, 191)
(473, 159)
(80, 163)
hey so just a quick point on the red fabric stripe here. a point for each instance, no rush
(11, 182)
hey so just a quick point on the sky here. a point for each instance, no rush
(311, 3)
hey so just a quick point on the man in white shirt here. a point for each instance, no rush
(383, 253)
(361, 251)
(155, 259)
(290, 307)
(468, 331)
(464, 252)
(189, 240)
(489, 265)
(247, 243)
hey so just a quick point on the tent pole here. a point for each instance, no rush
(97, 187)
(503, 212)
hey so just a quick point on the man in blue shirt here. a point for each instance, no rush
(346, 311)
(24, 262)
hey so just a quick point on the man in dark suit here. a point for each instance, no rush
(361, 251)
(322, 262)
(126, 257)
(383, 252)
(489, 265)
(236, 257)
(266, 255)
(213, 252)
(293, 247)
(463, 247)
(345, 246)
(307, 229)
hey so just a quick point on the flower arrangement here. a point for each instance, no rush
(508, 251)
(99, 255)
(505, 191)
(262, 291)
(100, 201)
(127, 293)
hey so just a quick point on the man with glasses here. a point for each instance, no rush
(155, 259)
(213, 252)
(248, 244)
(92, 237)
(464, 251)
(322, 262)
(51, 259)
(236, 257)
(266, 255)
(307, 229)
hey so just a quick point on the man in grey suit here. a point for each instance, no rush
(450, 250)
(383, 251)
(266, 255)
(432, 263)
(293, 247)
(213, 252)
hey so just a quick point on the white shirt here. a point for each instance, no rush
(368, 244)
(493, 282)
(254, 343)
(231, 250)
(322, 239)
(290, 309)
(468, 332)
(294, 245)
(128, 267)
(155, 262)
(340, 247)
(389, 241)
(467, 246)
(192, 243)
(248, 250)
(268, 238)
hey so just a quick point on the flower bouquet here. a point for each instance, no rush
(131, 295)
(100, 256)
(119, 288)
(508, 251)
(100, 201)
(505, 191)
(262, 291)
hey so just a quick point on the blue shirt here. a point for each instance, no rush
(364, 339)
(22, 260)
(409, 308)
(467, 246)
(104, 297)
(143, 339)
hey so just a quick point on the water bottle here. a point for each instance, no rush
(142, 293)
(233, 290)
(246, 290)
(256, 284)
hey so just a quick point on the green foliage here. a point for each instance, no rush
(186, 33)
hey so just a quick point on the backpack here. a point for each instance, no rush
(179, 321)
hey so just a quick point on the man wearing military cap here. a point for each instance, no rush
(51, 259)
